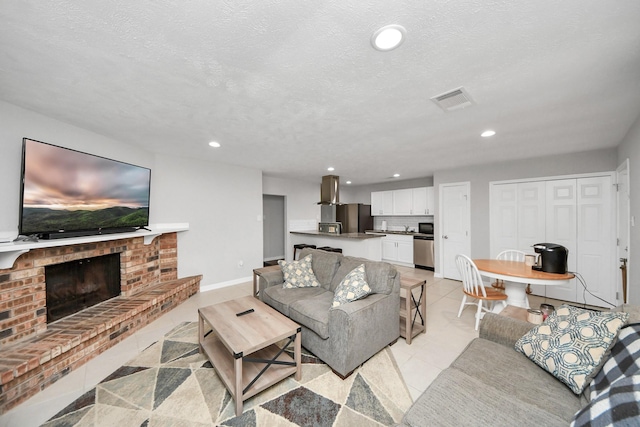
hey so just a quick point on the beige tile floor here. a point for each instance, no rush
(420, 363)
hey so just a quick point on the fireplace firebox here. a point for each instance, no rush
(76, 285)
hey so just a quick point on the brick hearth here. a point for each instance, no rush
(34, 355)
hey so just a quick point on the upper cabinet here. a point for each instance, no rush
(382, 203)
(402, 202)
(407, 202)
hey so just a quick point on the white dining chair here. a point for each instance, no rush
(511, 255)
(474, 289)
(508, 255)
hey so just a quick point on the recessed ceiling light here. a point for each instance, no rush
(388, 37)
(488, 133)
(396, 175)
(331, 169)
(214, 144)
(348, 182)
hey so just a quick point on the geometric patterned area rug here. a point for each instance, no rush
(171, 384)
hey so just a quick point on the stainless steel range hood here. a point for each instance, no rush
(330, 190)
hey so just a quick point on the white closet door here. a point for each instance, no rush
(596, 240)
(531, 220)
(504, 219)
(561, 228)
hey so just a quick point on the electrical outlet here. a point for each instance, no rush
(240, 264)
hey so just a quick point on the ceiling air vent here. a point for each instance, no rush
(453, 100)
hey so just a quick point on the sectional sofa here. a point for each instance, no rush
(345, 336)
(492, 384)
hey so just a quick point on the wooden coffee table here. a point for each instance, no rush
(242, 348)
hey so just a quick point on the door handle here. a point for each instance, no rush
(445, 237)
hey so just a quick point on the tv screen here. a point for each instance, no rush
(67, 192)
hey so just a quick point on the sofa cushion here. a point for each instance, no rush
(379, 275)
(456, 399)
(298, 274)
(324, 264)
(353, 287)
(513, 374)
(624, 360)
(280, 298)
(313, 313)
(571, 343)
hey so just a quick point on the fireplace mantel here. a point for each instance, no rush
(9, 252)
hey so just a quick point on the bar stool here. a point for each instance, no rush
(330, 249)
(301, 246)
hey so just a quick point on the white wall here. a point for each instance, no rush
(629, 148)
(301, 202)
(223, 206)
(221, 203)
(480, 176)
(18, 123)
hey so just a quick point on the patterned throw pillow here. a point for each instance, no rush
(571, 343)
(298, 274)
(354, 286)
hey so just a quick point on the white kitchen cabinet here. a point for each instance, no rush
(405, 250)
(577, 213)
(402, 202)
(423, 201)
(389, 249)
(419, 202)
(431, 203)
(397, 249)
(381, 203)
(406, 202)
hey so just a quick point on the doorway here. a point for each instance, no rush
(455, 222)
(273, 229)
(623, 231)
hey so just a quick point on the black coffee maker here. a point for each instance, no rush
(552, 258)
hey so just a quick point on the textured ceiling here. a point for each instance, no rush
(292, 87)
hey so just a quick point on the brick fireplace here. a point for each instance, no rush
(34, 354)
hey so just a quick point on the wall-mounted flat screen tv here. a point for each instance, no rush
(68, 193)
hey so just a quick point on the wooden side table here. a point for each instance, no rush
(412, 309)
(257, 272)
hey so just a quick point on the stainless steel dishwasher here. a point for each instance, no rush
(423, 251)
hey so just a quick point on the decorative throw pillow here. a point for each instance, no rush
(298, 274)
(354, 286)
(571, 343)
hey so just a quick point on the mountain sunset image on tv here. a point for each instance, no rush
(64, 190)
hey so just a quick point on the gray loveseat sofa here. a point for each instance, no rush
(346, 336)
(491, 384)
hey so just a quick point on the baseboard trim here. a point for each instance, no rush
(220, 285)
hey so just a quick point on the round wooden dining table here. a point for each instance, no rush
(516, 276)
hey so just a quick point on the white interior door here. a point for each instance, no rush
(596, 261)
(561, 229)
(624, 215)
(454, 226)
(504, 218)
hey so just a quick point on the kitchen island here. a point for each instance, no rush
(361, 245)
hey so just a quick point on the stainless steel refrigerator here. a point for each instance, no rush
(355, 217)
